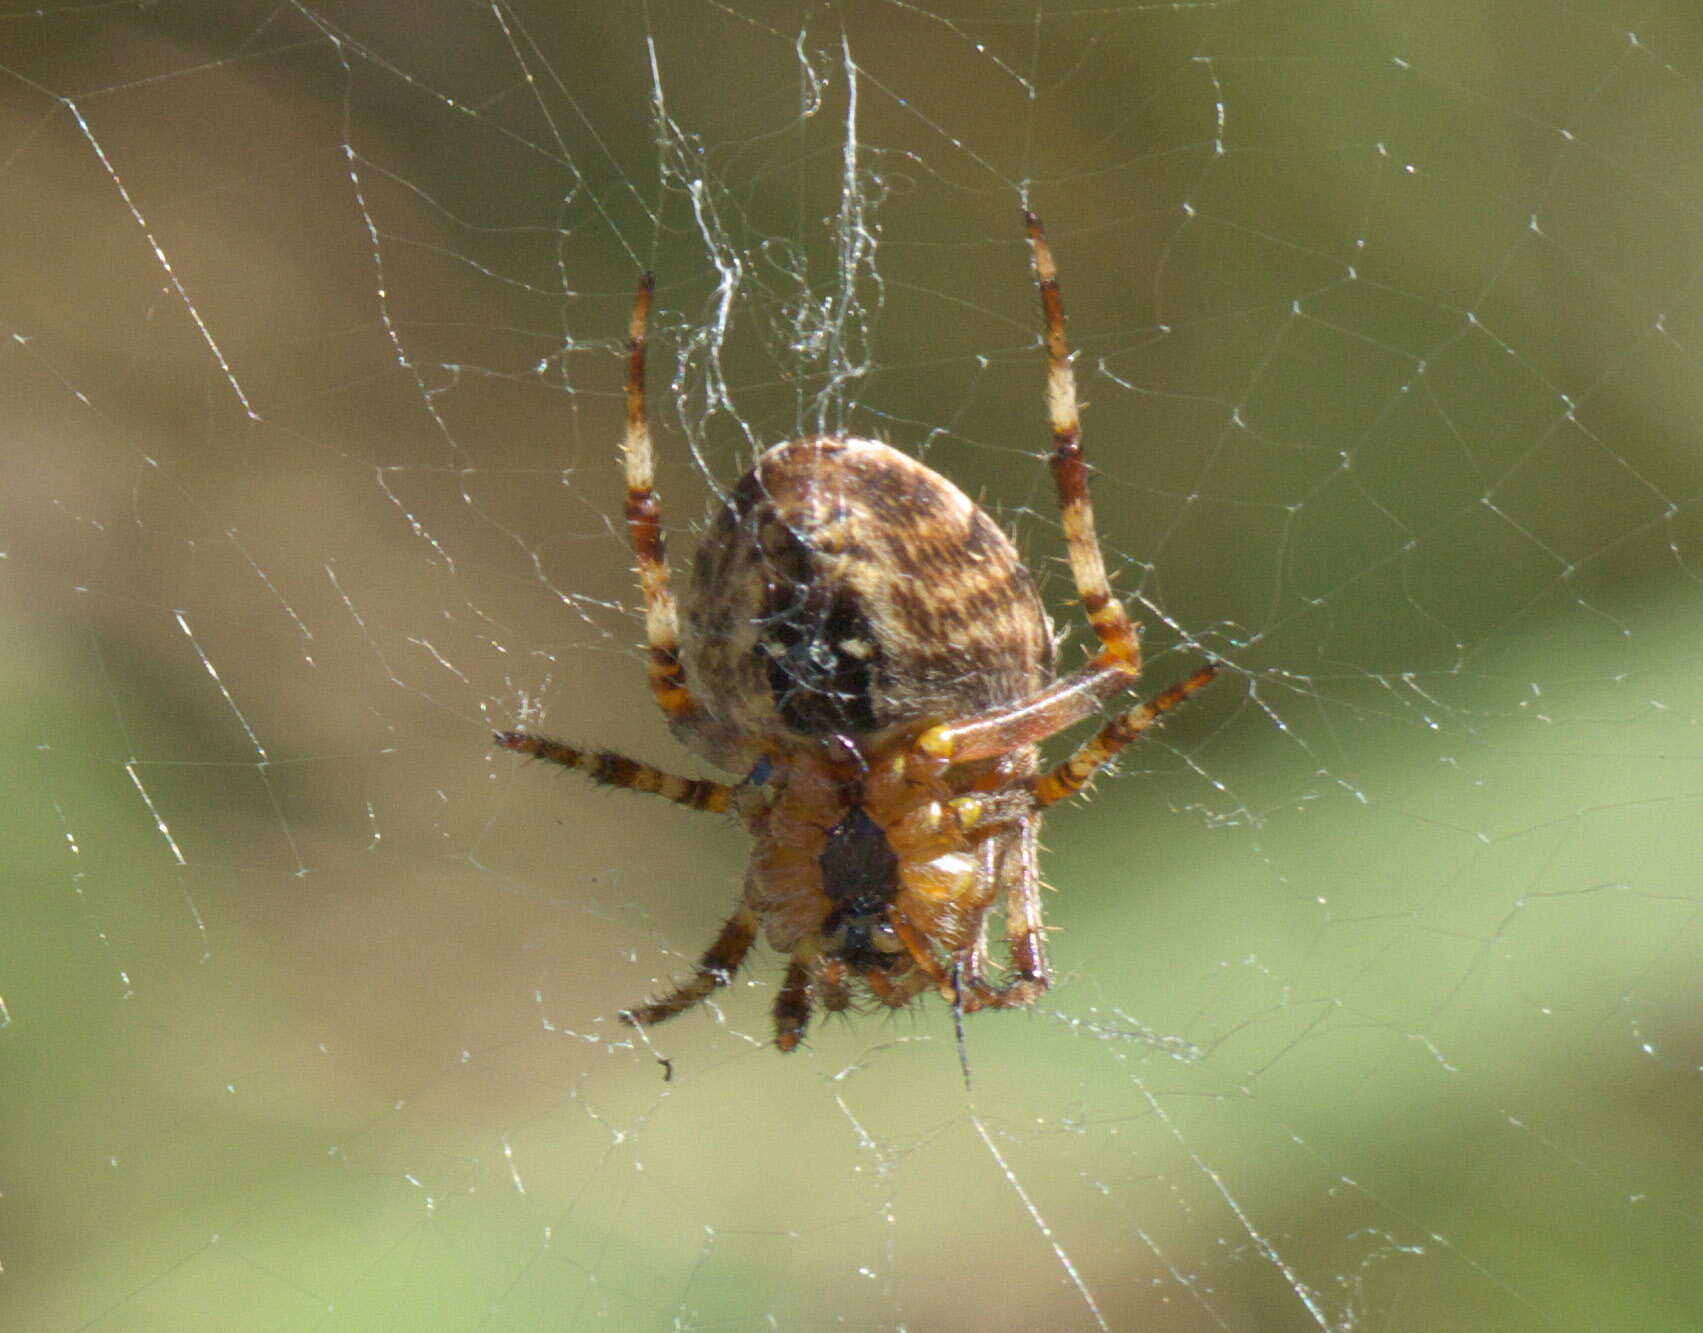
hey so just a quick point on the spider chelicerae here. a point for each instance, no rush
(870, 656)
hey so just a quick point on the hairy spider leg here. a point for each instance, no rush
(793, 1003)
(720, 961)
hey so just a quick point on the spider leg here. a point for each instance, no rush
(1030, 721)
(720, 961)
(792, 1005)
(1115, 667)
(644, 525)
(917, 946)
(1015, 866)
(968, 972)
(970, 964)
(833, 984)
(1030, 975)
(1078, 771)
(615, 770)
(1120, 645)
(896, 992)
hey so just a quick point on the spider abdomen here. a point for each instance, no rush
(845, 588)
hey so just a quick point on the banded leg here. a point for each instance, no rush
(1119, 642)
(792, 1004)
(1078, 771)
(720, 961)
(644, 525)
(616, 770)
(1115, 667)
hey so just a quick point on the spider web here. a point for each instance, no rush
(1376, 996)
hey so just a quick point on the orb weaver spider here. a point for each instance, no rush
(870, 655)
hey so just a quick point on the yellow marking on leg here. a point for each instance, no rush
(1078, 771)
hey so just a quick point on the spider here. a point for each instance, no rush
(869, 653)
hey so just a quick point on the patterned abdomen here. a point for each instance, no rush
(844, 588)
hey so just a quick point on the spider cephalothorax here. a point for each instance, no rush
(870, 656)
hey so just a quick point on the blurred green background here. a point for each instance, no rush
(1376, 1003)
